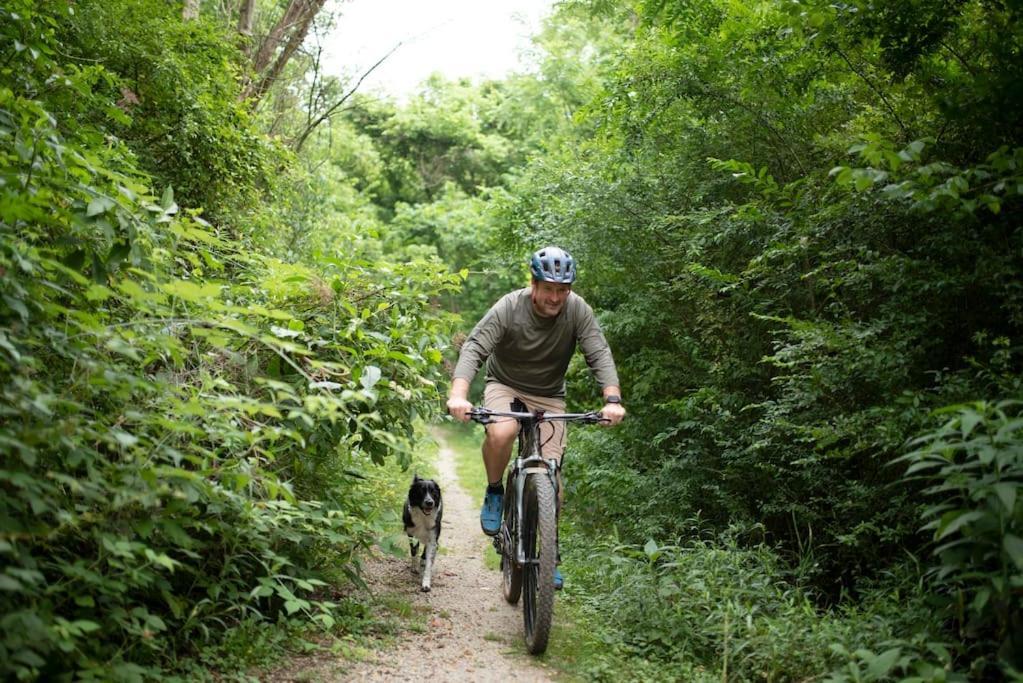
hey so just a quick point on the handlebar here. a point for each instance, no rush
(486, 416)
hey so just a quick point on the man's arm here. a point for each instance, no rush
(602, 365)
(477, 348)
(458, 399)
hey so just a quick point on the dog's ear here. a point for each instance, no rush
(415, 477)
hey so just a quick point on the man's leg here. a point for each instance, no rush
(497, 448)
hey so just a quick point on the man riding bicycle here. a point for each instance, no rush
(527, 339)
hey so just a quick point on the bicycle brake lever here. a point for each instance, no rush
(480, 417)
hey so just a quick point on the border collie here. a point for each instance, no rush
(422, 514)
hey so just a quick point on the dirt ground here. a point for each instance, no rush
(471, 633)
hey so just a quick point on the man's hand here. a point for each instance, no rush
(459, 408)
(458, 402)
(614, 412)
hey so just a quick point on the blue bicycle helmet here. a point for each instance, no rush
(553, 264)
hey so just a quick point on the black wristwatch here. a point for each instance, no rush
(613, 399)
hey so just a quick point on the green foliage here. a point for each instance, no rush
(799, 223)
(447, 134)
(719, 609)
(189, 426)
(974, 463)
(170, 91)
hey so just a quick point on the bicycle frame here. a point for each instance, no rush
(532, 463)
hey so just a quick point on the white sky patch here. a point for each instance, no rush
(475, 38)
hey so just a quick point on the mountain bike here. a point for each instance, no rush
(528, 539)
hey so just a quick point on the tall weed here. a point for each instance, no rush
(715, 610)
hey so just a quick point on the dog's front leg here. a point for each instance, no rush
(413, 546)
(431, 551)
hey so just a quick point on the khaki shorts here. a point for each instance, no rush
(497, 396)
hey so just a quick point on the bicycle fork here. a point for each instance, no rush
(534, 466)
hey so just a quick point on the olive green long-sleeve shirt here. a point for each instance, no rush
(531, 353)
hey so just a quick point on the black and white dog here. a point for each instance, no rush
(422, 515)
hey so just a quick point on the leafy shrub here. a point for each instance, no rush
(713, 609)
(183, 419)
(171, 94)
(974, 465)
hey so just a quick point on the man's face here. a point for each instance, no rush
(549, 298)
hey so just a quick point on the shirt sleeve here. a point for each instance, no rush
(482, 341)
(594, 347)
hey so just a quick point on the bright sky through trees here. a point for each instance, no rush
(454, 37)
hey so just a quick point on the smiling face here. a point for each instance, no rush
(549, 297)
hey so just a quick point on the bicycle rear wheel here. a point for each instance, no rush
(511, 584)
(540, 538)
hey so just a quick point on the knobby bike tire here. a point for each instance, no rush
(511, 585)
(540, 538)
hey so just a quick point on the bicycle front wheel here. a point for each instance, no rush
(539, 522)
(511, 572)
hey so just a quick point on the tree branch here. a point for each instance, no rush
(344, 98)
(246, 17)
(297, 18)
(877, 91)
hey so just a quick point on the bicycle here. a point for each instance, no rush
(528, 539)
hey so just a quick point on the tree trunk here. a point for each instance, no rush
(190, 10)
(289, 31)
(246, 17)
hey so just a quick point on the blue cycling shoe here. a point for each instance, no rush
(559, 580)
(490, 513)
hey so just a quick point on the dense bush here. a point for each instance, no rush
(183, 417)
(974, 463)
(799, 221)
(718, 608)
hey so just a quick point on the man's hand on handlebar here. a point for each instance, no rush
(459, 408)
(614, 413)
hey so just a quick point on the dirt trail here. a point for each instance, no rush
(471, 634)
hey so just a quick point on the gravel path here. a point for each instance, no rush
(471, 633)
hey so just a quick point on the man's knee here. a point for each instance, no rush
(501, 434)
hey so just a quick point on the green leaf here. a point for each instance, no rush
(124, 438)
(99, 205)
(1007, 494)
(18, 306)
(1014, 548)
(9, 583)
(954, 520)
(167, 200)
(879, 667)
(968, 421)
(191, 291)
(862, 180)
(85, 626)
